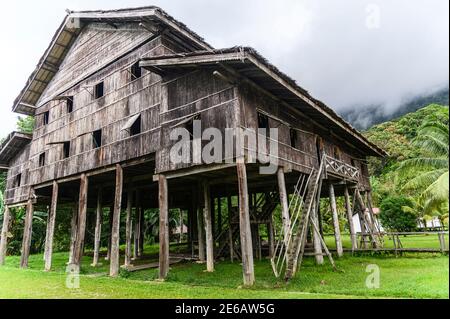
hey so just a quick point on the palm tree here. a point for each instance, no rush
(432, 179)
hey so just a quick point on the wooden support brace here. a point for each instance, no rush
(81, 228)
(207, 212)
(51, 228)
(128, 226)
(98, 227)
(334, 213)
(163, 228)
(26, 241)
(115, 231)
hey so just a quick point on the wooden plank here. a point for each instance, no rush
(286, 219)
(334, 214)
(349, 211)
(51, 228)
(200, 232)
(128, 226)
(115, 231)
(26, 241)
(244, 226)
(81, 228)
(163, 227)
(4, 234)
(208, 228)
(73, 231)
(98, 227)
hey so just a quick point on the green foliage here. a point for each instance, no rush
(394, 217)
(25, 124)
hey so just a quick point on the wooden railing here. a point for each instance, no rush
(337, 167)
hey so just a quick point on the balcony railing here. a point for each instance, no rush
(337, 167)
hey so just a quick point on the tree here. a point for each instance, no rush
(432, 179)
(394, 217)
(25, 124)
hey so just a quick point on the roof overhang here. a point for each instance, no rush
(11, 146)
(69, 30)
(250, 65)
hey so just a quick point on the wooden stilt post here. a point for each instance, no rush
(110, 223)
(207, 212)
(26, 241)
(201, 233)
(48, 251)
(244, 226)
(81, 228)
(230, 229)
(334, 213)
(4, 234)
(73, 230)
(219, 215)
(128, 227)
(284, 203)
(348, 209)
(141, 230)
(163, 228)
(137, 226)
(318, 254)
(115, 230)
(271, 237)
(98, 227)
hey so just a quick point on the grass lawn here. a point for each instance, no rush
(409, 276)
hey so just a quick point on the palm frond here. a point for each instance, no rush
(437, 193)
(424, 180)
(424, 163)
(431, 144)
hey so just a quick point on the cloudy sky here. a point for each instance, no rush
(348, 53)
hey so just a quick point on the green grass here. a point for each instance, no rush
(409, 276)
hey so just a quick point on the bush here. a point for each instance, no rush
(394, 218)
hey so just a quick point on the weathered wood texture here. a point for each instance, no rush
(4, 234)
(81, 227)
(128, 227)
(98, 227)
(244, 224)
(51, 228)
(349, 211)
(335, 218)
(207, 211)
(115, 231)
(27, 231)
(163, 227)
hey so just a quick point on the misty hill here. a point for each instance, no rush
(365, 117)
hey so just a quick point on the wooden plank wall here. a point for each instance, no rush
(19, 165)
(124, 97)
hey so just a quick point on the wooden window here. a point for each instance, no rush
(66, 149)
(336, 153)
(136, 71)
(69, 103)
(46, 117)
(294, 137)
(99, 90)
(97, 138)
(135, 129)
(42, 160)
(18, 180)
(263, 121)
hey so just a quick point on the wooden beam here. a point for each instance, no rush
(351, 226)
(98, 227)
(73, 231)
(82, 212)
(110, 223)
(208, 228)
(271, 237)
(244, 226)
(128, 226)
(51, 228)
(163, 227)
(334, 214)
(137, 226)
(115, 230)
(200, 231)
(4, 234)
(230, 230)
(26, 241)
(316, 235)
(286, 219)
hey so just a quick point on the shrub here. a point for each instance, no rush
(394, 218)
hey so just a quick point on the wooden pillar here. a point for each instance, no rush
(207, 212)
(81, 228)
(317, 244)
(26, 241)
(73, 231)
(141, 230)
(110, 223)
(48, 251)
(4, 234)
(163, 228)
(128, 227)
(115, 230)
(230, 228)
(219, 215)
(201, 233)
(271, 237)
(334, 213)
(348, 208)
(98, 227)
(137, 226)
(284, 203)
(244, 226)
(371, 213)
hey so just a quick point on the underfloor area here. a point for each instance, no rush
(412, 275)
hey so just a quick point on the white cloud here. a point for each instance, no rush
(324, 44)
